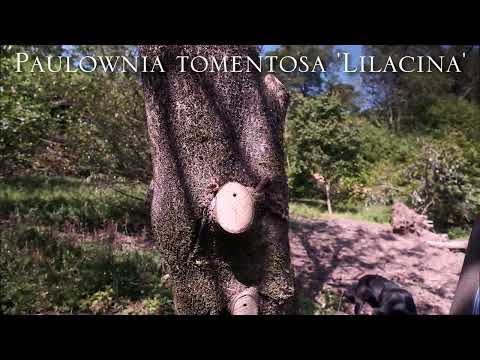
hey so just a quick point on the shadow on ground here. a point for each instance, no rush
(332, 254)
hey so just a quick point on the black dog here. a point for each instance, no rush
(383, 295)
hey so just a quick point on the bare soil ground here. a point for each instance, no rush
(332, 254)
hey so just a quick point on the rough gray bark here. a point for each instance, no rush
(207, 129)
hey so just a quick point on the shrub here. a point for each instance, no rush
(442, 187)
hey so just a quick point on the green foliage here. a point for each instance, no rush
(436, 166)
(456, 120)
(433, 169)
(308, 83)
(315, 210)
(100, 302)
(25, 120)
(442, 186)
(384, 158)
(378, 143)
(458, 233)
(41, 271)
(399, 97)
(57, 253)
(319, 139)
(61, 123)
(328, 303)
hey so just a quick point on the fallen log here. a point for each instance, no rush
(459, 245)
(406, 220)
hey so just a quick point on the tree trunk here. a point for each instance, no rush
(208, 129)
(329, 201)
(390, 118)
(469, 280)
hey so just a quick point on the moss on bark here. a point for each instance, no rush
(216, 127)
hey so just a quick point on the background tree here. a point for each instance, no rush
(347, 95)
(25, 120)
(396, 94)
(61, 123)
(435, 107)
(401, 97)
(320, 139)
(307, 83)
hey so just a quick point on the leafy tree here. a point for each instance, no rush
(321, 140)
(466, 84)
(347, 95)
(61, 123)
(448, 116)
(25, 120)
(307, 83)
(399, 96)
(106, 101)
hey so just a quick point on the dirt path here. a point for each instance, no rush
(332, 254)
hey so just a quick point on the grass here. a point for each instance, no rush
(54, 201)
(45, 269)
(458, 233)
(327, 303)
(311, 209)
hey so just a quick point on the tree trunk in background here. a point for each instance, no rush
(212, 128)
(329, 201)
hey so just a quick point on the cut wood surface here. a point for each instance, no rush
(234, 208)
(245, 303)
